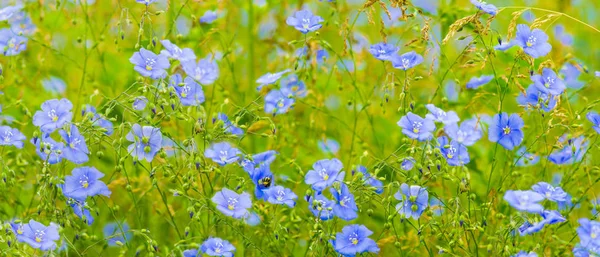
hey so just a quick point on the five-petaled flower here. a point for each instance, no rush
(147, 141)
(548, 82)
(84, 182)
(527, 201)
(324, 173)
(11, 136)
(353, 240)
(54, 114)
(506, 130)
(222, 153)
(383, 51)
(205, 71)
(75, 149)
(232, 204)
(416, 127)
(406, 61)
(149, 64)
(534, 43)
(281, 195)
(345, 207)
(304, 21)
(37, 235)
(413, 201)
(188, 91)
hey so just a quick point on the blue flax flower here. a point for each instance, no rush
(222, 153)
(54, 114)
(548, 218)
(527, 201)
(147, 141)
(555, 194)
(525, 254)
(408, 163)
(204, 71)
(328, 145)
(81, 211)
(48, 149)
(524, 158)
(229, 126)
(257, 161)
(263, 179)
(456, 154)
(149, 64)
(188, 91)
(593, 117)
(548, 82)
(572, 152)
(476, 82)
(116, 235)
(98, 120)
(321, 207)
(279, 101)
(416, 127)
(294, 85)
(232, 204)
(54, 85)
(208, 17)
(383, 51)
(467, 133)
(304, 21)
(217, 247)
(75, 149)
(506, 130)
(84, 182)
(10, 43)
(139, 103)
(537, 99)
(146, 2)
(534, 43)
(439, 115)
(38, 236)
(11, 136)
(270, 78)
(10, 11)
(589, 233)
(354, 240)
(406, 61)
(571, 74)
(173, 51)
(324, 173)
(370, 180)
(345, 207)
(413, 201)
(487, 8)
(281, 195)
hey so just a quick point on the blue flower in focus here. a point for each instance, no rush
(408, 163)
(572, 152)
(204, 72)
(116, 234)
(527, 201)
(324, 173)
(84, 182)
(232, 204)
(354, 240)
(54, 85)
(329, 145)
(10, 43)
(548, 82)
(555, 194)
(345, 207)
(140, 103)
(257, 161)
(525, 158)
(469, 132)
(173, 51)
(75, 149)
(270, 78)
(208, 17)
(98, 120)
(439, 115)
(147, 141)
(525, 254)
(571, 74)
(222, 153)
(48, 149)
(476, 82)
(406, 61)
(594, 118)
(279, 101)
(487, 8)
(534, 43)
(304, 21)
(188, 91)
(263, 179)
(537, 99)
(149, 64)
(321, 207)
(416, 127)
(370, 180)
(456, 154)
(229, 126)
(11, 136)
(413, 201)
(383, 51)
(54, 114)
(281, 195)
(37, 235)
(217, 247)
(506, 130)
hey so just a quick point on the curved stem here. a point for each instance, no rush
(555, 12)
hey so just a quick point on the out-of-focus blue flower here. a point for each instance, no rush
(505, 45)
(9, 11)
(329, 145)
(588, 232)
(439, 115)
(54, 85)
(597, 74)
(114, 233)
(413, 201)
(393, 19)
(525, 158)
(506, 130)
(322, 56)
(257, 161)
(528, 228)
(253, 219)
(11, 136)
(354, 240)
(476, 82)
(593, 117)
(304, 21)
(21, 24)
(217, 247)
(208, 17)
(183, 24)
(456, 154)
(229, 126)
(525, 254)
(527, 201)
(435, 205)
(537, 99)
(324, 173)
(565, 38)
(204, 72)
(370, 180)
(81, 211)
(485, 7)
(139, 103)
(270, 78)
(84, 182)
(321, 207)
(292, 84)
(534, 43)
(451, 90)
(38, 236)
(232, 204)
(555, 194)
(48, 149)
(146, 2)
(548, 82)
(188, 91)
(416, 127)
(383, 51)
(345, 207)
(469, 132)
(281, 195)
(11, 44)
(75, 149)
(279, 101)
(571, 73)
(149, 64)
(173, 51)
(572, 152)
(408, 163)
(222, 153)
(147, 141)
(54, 114)
(406, 61)
(430, 6)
